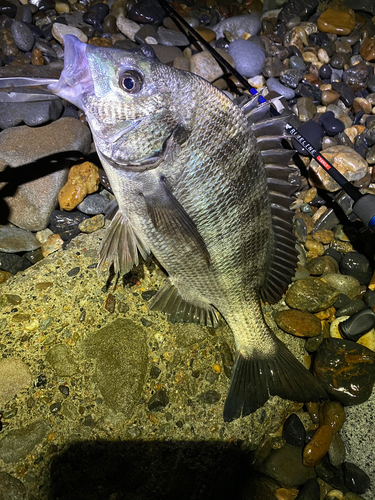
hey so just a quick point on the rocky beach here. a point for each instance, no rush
(101, 398)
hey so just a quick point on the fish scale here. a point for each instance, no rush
(191, 184)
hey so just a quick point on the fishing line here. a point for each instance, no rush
(364, 205)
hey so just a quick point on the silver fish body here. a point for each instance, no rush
(191, 186)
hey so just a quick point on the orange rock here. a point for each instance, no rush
(286, 493)
(337, 22)
(53, 243)
(332, 413)
(101, 42)
(367, 49)
(83, 179)
(206, 33)
(37, 57)
(315, 449)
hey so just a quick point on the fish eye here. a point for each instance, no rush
(131, 81)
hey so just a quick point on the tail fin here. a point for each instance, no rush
(257, 378)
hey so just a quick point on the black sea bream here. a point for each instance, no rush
(206, 191)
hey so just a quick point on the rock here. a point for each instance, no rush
(31, 113)
(357, 265)
(8, 9)
(298, 323)
(293, 431)
(167, 54)
(32, 204)
(66, 223)
(318, 446)
(127, 27)
(18, 443)
(337, 22)
(311, 294)
(59, 30)
(158, 401)
(348, 285)
(332, 413)
(147, 32)
(146, 11)
(209, 397)
(367, 49)
(309, 491)
(333, 126)
(346, 93)
(52, 244)
(291, 77)
(94, 204)
(322, 265)
(11, 487)
(285, 466)
(346, 370)
(120, 352)
(22, 35)
(306, 110)
(61, 360)
(171, 38)
(329, 97)
(349, 163)
(358, 324)
(274, 85)
(355, 478)
(238, 25)
(272, 66)
(13, 240)
(247, 56)
(83, 179)
(14, 376)
(336, 452)
(92, 225)
(13, 263)
(205, 65)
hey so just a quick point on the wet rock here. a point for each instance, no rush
(336, 21)
(332, 413)
(346, 94)
(53, 243)
(318, 446)
(354, 307)
(18, 443)
(331, 474)
(272, 66)
(32, 204)
(322, 265)
(8, 9)
(357, 265)
(66, 224)
(346, 370)
(61, 360)
(293, 431)
(248, 57)
(14, 376)
(355, 478)
(358, 324)
(311, 294)
(146, 12)
(274, 85)
(309, 491)
(205, 65)
(285, 466)
(298, 323)
(83, 179)
(127, 27)
(22, 35)
(120, 352)
(11, 487)
(367, 49)
(13, 239)
(336, 452)
(348, 285)
(238, 25)
(93, 224)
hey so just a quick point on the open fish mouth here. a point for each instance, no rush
(76, 79)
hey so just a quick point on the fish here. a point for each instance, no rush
(202, 183)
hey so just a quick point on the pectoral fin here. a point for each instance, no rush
(170, 219)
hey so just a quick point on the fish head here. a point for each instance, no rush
(124, 96)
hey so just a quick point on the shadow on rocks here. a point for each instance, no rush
(141, 470)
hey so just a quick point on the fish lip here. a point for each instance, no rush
(76, 78)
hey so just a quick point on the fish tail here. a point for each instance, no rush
(257, 377)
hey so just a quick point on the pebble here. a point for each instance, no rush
(13, 263)
(332, 413)
(66, 224)
(238, 25)
(293, 431)
(61, 360)
(298, 323)
(247, 56)
(318, 446)
(94, 204)
(59, 30)
(355, 478)
(146, 11)
(336, 452)
(53, 243)
(345, 369)
(367, 49)
(336, 22)
(158, 401)
(311, 294)
(127, 27)
(171, 37)
(274, 85)
(15, 376)
(14, 239)
(205, 65)
(167, 54)
(93, 224)
(83, 179)
(309, 491)
(349, 285)
(354, 307)
(11, 487)
(322, 265)
(358, 324)
(22, 35)
(209, 397)
(18, 443)
(357, 265)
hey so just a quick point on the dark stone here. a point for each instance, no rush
(342, 301)
(24, 14)
(64, 389)
(147, 12)
(333, 126)
(313, 132)
(371, 83)
(291, 77)
(352, 308)
(66, 223)
(300, 8)
(357, 325)
(338, 60)
(278, 51)
(148, 294)
(41, 380)
(309, 491)
(13, 263)
(8, 9)
(30, 113)
(145, 31)
(73, 272)
(55, 407)
(158, 401)
(355, 478)
(154, 371)
(272, 67)
(357, 75)
(209, 397)
(346, 370)
(369, 134)
(331, 474)
(369, 298)
(125, 45)
(334, 253)
(94, 204)
(357, 265)
(325, 71)
(11, 487)
(346, 93)
(296, 62)
(222, 43)
(328, 45)
(313, 343)
(293, 431)
(306, 89)
(22, 35)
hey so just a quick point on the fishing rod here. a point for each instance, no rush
(364, 204)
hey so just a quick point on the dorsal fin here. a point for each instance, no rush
(270, 132)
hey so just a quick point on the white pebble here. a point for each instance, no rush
(127, 27)
(60, 30)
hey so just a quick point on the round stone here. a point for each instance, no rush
(298, 323)
(248, 57)
(349, 285)
(355, 478)
(318, 446)
(274, 85)
(22, 35)
(336, 450)
(311, 294)
(357, 265)
(13, 240)
(309, 491)
(322, 265)
(332, 413)
(293, 431)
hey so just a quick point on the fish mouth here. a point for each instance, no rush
(76, 79)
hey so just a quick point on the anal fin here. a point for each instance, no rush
(169, 300)
(256, 378)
